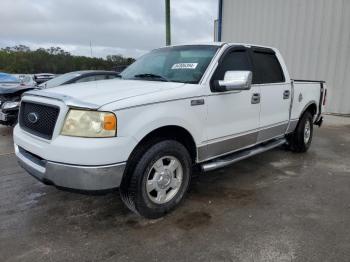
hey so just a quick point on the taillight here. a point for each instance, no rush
(325, 97)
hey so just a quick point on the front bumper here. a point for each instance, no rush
(85, 178)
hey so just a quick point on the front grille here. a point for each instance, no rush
(38, 119)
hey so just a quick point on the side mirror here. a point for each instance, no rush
(234, 80)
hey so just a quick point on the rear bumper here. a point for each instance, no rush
(85, 178)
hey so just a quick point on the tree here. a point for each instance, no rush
(20, 59)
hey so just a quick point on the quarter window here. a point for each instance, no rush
(100, 77)
(86, 79)
(110, 76)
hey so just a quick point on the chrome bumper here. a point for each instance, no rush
(86, 178)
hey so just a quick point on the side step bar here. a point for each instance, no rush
(235, 157)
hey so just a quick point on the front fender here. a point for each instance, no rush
(140, 121)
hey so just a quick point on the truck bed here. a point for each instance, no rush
(306, 92)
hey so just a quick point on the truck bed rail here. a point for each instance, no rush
(309, 81)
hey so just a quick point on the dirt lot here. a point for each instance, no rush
(277, 206)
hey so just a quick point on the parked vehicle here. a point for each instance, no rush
(173, 109)
(79, 77)
(43, 77)
(11, 88)
(8, 79)
(11, 97)
(27, 80)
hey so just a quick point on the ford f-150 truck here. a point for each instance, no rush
(174, 109)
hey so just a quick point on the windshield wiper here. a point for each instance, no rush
(152, 76)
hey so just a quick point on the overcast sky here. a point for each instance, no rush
(128, 27)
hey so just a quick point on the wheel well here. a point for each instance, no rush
(312, 109)
(177, 133)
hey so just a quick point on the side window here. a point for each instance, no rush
(85, 79)
(100, 77)
(237, 60)
(110, 76)
(267, 68)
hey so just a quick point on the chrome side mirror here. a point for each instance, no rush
(235, 80)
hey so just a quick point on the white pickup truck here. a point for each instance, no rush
(177, 107)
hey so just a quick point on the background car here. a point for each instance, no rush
(10, 97)
(27, 80)
(43, 77)
(79, 77)
(8, 80)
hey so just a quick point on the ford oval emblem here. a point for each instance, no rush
(33, 117)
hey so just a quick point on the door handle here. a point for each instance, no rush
(255, 98)
(286, 94)
(197, 102)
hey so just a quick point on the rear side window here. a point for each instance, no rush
(86, 79)
(267, 68)
(110, 76)
(237, 60)
(100, 77)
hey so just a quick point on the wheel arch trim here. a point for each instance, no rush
(307, 106)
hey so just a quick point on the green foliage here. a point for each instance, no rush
(21, 60)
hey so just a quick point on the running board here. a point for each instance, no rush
(235, 157)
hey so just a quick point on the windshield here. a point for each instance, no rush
(60, 80)
(185, 64)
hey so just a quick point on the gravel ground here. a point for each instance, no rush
(277, 206)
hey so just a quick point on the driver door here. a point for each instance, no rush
(233, 116)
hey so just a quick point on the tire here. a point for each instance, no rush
(159, 179)
(300, 140)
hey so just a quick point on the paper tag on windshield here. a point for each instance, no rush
(185, 66)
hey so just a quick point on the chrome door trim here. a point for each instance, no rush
(226, 146)
(272, 132)
(230, 144)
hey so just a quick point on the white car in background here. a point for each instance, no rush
(26, 79)
(43, 77)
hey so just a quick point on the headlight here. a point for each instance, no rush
(10, 105)
(84, 123)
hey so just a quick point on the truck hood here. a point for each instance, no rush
(109, 91)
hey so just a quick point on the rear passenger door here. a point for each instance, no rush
(275, 93)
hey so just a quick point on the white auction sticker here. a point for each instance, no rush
(185, 66)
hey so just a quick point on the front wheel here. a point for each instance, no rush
(159, 180)
(300, 140)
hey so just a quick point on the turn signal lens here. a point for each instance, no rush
(110, 122)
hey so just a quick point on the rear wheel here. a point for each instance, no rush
(159, 181)
(300, 140)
